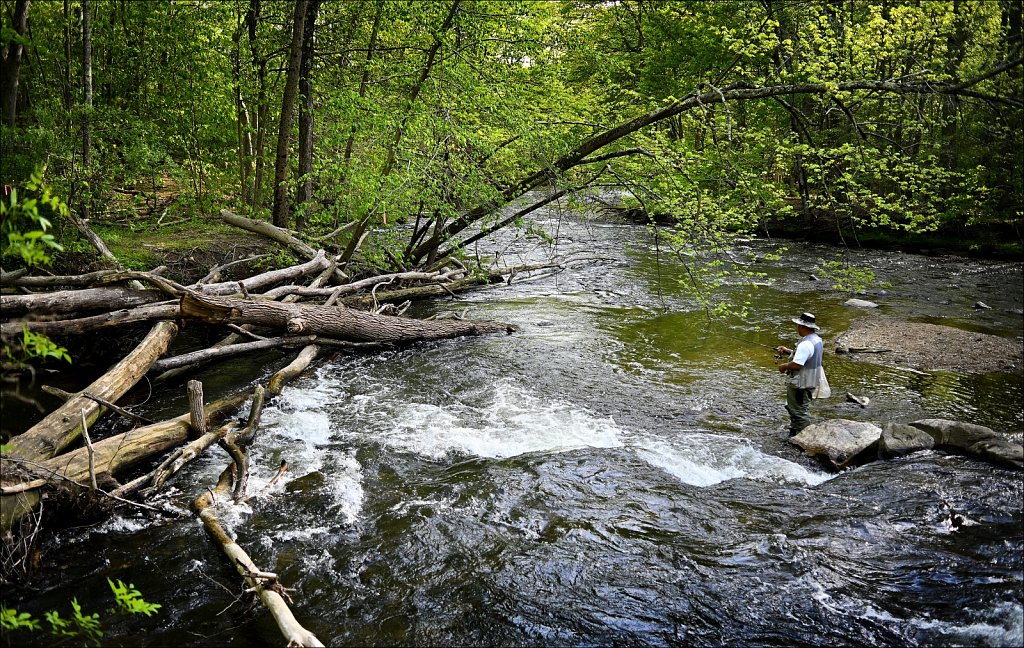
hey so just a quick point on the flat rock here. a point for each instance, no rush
(955, 434)
(860, 303)
(838, 441)
(898, 440)
(863, 401)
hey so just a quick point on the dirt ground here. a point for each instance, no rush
(930, 346)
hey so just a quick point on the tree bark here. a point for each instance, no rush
(305, 190)
(280, 213)
(10, 65)
(147, 313)
(334, 322)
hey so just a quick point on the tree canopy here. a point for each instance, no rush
(410, 126)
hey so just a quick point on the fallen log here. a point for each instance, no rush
(235, 337)
(269, 591)
(62, 427)
(63, 302)
(157, 311)
(356, 286)
(58, 281)
(112, 456)
(220, 352)
(278, 235)
(257, 283)
(331, 321)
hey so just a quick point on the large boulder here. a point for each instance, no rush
(838, 442)
(956, 434)
(898, 440)
(974, 440)
(860, 303)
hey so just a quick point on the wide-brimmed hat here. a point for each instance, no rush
(806, 319)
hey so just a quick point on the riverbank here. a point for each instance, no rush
(995, 241)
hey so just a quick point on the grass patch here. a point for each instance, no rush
(188, 247)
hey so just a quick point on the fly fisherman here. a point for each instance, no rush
(804, 371)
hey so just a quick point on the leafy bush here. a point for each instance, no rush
(87, 626)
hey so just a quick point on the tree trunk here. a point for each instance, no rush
(252, 19)
(63, 426)
(305, 191)
(331, 321)
(67, 90)
(75, 301)
(414, 92)
(280, 213)
(734, 92)
(86, 90)
(243, 128)
(10, 65)
(158, 311)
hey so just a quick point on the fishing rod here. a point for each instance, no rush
(774, 349)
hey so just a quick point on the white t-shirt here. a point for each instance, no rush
(804, 351)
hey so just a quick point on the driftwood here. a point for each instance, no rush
(278, 235)
(87, 303)
(336, 322)
(76, 301)
(18, 279)
(256, 283)
(220, 352)
(264, 585)
(233, 338)
(117, 298)
(112, 456)
(162, 310)
(62, 427)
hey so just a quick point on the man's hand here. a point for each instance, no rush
(790, 366)
(781, 350)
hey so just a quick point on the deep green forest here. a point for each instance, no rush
(724, 115)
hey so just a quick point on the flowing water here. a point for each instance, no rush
(616, 472)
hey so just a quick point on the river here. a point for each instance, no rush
(615, 472)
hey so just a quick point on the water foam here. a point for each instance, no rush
(702, 459)
(1001, 625)
(513, 423)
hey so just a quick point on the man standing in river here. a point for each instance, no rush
(804, 369)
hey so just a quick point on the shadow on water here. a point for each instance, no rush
(613, 473)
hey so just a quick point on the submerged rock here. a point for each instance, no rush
(838, 441)
(860, 303)
(863, 401)
(999, 451)
(981, 305)
(898, 440)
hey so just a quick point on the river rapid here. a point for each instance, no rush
(614, 473)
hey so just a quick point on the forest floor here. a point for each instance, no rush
(930, 346)
(160, 226)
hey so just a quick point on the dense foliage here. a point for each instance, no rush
(722, 116)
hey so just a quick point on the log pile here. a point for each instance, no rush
(257, 312)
